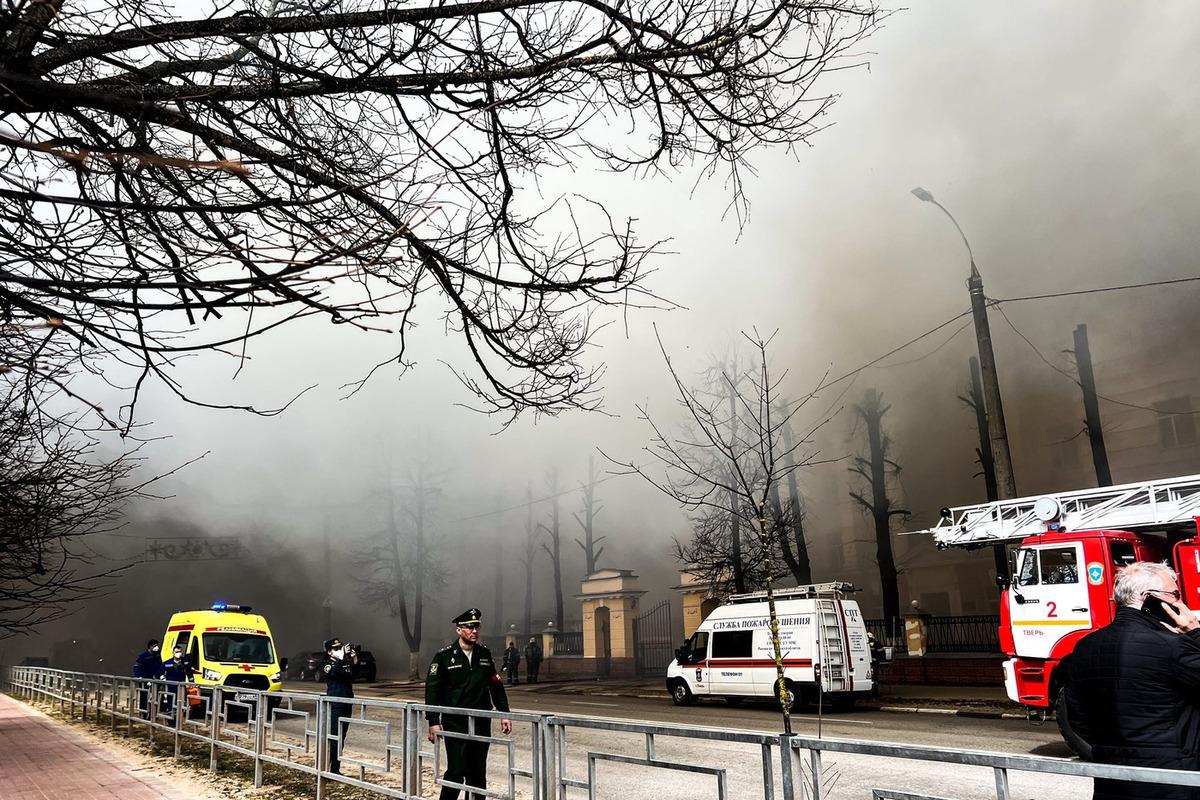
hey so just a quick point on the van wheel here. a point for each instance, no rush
(1076, 742)
(791, 696)
(681, 695)
(734, 701)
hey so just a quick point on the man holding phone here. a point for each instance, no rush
(1133, 687)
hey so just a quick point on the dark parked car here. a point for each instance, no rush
(366, 667)
(305, 666)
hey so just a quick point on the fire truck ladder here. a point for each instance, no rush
(835, 674)
(806, 592)
(1152, 505)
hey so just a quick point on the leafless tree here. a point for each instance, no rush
(533, 536)
(875, 468)
(590, 542)
(713, 460)
(402, 565)
(58, 491)
(795, 547)
(553, 546)
(181, 184)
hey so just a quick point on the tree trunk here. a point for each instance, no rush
(881, 507)
(530, 550)
(554, 549)
(803, 570)
(735, 520)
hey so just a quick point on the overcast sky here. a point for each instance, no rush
(1062, 135)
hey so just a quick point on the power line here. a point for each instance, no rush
(892, 352)
(1169, 282)
(1076, 381)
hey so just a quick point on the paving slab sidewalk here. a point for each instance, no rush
(41, 759)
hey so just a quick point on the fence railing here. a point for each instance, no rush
(971, 634)
(978, 633)
(568, 643)
(549, 757)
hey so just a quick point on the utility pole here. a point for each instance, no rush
(999, 551)
(1006, 484)
(1091, 406)
(985, 443)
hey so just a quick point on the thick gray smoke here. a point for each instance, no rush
(1063, 138)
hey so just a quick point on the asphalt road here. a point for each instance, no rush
(844, 775)
(927, 729)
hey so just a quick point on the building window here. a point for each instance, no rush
(1176, 423)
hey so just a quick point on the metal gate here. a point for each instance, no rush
(653, 641)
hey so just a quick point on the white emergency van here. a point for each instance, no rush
(823, 640)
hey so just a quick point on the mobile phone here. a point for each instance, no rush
(1155, 607)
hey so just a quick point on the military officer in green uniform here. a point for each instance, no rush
(464, 675)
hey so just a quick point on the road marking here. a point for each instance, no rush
(602, 705)
(829, 721)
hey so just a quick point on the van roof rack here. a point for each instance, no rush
(831, 589)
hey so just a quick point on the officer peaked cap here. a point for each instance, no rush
(332, 644)
(472, 616)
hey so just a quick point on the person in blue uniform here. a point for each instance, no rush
(463, 675)
(338, 671)
(177, 670)
(148, 665)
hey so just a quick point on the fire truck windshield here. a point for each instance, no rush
(1047, 565)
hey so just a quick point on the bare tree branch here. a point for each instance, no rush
(177, 186)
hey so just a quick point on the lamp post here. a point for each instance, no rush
(1006, 485)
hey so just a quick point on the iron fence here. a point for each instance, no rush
(568, 643)
(887, 632)
(978, 633)
(550, 757)
(973, 634)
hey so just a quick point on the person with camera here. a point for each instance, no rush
(463, 675)
(338, 671)
(1132, 691)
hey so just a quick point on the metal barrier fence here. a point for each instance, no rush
(549, 757)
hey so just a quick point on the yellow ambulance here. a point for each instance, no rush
(228, 646)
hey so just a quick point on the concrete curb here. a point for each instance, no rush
(955, 712)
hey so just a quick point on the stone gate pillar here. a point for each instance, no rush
(700, 597)
(610, 605)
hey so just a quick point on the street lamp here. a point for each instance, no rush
(1006, 485)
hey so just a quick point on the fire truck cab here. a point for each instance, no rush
(1071, 546)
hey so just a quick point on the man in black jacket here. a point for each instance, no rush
(1133, 687)
(338, 671)
(148, 665)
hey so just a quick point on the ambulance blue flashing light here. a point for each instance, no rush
(219, 606)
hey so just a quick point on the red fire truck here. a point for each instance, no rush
(1071, 547)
